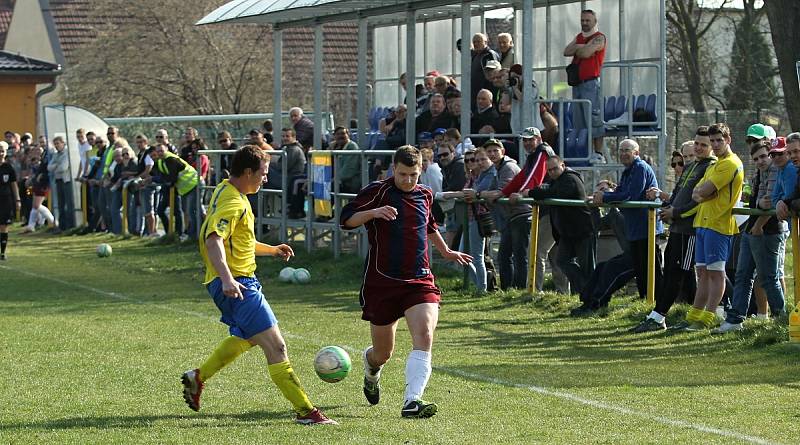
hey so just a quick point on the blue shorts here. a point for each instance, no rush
(247, 317)
(712, 247)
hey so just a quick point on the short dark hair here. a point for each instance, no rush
(407, 155)
(766, 145)
(701, 130)
(246, 157)
(268, 125)
(347, 131)
(556, 158)
(719, 128)
(90, 133)
(142, 137)
(289, 130)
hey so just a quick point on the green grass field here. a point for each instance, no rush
(92, 351)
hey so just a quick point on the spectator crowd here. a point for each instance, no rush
(711, 259)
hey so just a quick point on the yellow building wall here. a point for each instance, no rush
(18, 110)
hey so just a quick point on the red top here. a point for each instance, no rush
(533, 173)
(589, 68)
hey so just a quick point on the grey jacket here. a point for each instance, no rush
(506, 171)
(58, 166)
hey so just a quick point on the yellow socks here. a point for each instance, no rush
(708, 318)
(693, 315)
(225, 353)
(284, 377)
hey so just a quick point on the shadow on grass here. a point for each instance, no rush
(187, 420)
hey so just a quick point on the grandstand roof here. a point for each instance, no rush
(289, 13)
(17, 64)
(6, 10)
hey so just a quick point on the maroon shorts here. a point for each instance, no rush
(383, 304)
(40, 191)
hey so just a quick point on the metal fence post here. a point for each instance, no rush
(465, 237)
(651, 255)
(795, 257)
(533, 246)
(124, 192)
(172, 209)
(85, 203)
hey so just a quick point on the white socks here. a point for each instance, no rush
(418, 371)
(370, 373)
(37, 214)
(658, 318)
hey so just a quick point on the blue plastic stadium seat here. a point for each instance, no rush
(641, 100)
(650, 106)
(609, 108)
(621, 106)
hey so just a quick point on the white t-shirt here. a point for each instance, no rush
(83, 149)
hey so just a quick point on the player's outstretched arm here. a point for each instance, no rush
(448, 254)
(281, 250)
(388, 213)
(216, 255)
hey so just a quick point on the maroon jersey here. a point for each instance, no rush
(398, 250)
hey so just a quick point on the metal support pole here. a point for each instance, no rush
(661, 98)
(85, 203)
(465, 237)
(527, 63)
(651, 255)
(318, 87)
(361, 94)
(172, 210)
(796, 256)
(411, 76)
(466, 68)
(533, 246)
(548, 32)
(124, 210)
(277, 73)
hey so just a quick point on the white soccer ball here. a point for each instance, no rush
(286, 274)
(301, 276)
(332, 364)
(103, 250)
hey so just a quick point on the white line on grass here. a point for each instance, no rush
(479, 377)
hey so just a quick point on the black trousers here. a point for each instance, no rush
(607, 278)
(680, 281)
(639, 257)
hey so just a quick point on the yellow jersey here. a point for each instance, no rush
(716, 214)
(231, 217)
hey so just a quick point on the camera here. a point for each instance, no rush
(512, 79)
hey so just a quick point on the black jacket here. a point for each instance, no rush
(567, 222)
(454, 177)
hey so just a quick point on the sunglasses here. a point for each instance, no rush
(444, 155)
(758, 158)
(776, 154)
(222, 141)
(158, 136)
(675, 164)
(469, 159)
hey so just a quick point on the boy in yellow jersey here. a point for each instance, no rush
(717, 193)
(229, 248)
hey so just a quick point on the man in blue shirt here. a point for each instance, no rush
(636, 179)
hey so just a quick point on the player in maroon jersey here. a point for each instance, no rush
(398, 281)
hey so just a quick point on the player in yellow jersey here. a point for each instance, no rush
(717, 193)
(229, 248)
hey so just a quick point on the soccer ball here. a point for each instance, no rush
(301, 276)
(103, 250)
(286, 274)
(332, 364)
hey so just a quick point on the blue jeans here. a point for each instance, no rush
(757, 253)
(512, 254)
(189, 203)
(177, 211)
(476, 244)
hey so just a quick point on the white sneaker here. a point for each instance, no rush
(761, 317)
(726, 327)
(183, 237)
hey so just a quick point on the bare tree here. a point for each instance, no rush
(784, 16)
(688, 25)
(153, 60)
